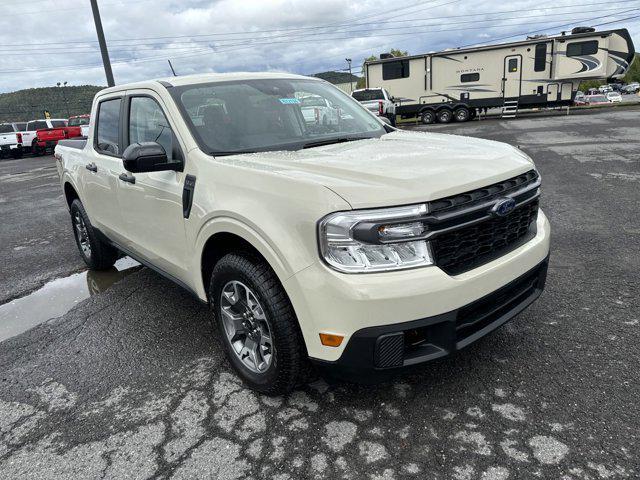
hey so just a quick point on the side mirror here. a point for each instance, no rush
(148, 157)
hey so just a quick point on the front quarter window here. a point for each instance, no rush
(271, 114)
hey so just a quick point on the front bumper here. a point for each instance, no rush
(326, 301)
(377, 353)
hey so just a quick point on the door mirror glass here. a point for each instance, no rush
(148, 157)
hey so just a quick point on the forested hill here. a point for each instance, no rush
(61, 102)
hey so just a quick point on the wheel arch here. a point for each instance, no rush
(70, 192)
(222, 236)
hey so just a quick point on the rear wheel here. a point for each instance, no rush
(461, 114)
(257, 324)
(97, 254)
(35, 149)
(444, 115)
(17, 153)
(428, 117)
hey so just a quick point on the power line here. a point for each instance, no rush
(210, 50)
(295, 29)
(123, 48)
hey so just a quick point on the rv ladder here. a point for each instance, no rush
(510, 108)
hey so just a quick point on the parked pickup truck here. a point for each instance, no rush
(377, 101)
(39, 144)
(359, 252)
(10, 140)
(78, 126)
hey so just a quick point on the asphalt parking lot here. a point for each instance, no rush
(132, 383)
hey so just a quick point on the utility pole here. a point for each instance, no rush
(103, 43)
(350, 75)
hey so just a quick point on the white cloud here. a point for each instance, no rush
(40, 40)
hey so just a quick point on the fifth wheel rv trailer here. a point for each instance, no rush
(537, 72)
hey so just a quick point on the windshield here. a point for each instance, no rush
(271, 114)
(58, 123)
(597, 98)
(76, 122)
(367, 95)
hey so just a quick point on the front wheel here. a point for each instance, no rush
(97, 254)
(428, 117)
(257, 324)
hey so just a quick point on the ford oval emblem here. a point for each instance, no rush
(503, 207)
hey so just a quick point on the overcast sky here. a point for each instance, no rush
(47, 41)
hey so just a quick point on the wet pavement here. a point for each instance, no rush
(132, 382)
(59, 296)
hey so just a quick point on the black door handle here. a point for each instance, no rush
(91, 167)
(127, 177)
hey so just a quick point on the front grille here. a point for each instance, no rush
(469, 247)
(500, 189)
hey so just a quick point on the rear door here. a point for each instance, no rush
(100, 175)
(152, 206)
(512, 76)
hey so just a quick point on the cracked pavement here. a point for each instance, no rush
(132, 382)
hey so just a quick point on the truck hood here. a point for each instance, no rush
(397, 169)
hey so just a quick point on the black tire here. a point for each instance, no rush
(289, 362)
(100, 255)
(35, 149)
(472, 114)
(17, 153)
(444, 115)
(392, 119)
(462, 114)
(428, 117)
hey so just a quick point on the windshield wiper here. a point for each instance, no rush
(331, 141)
(232, 152)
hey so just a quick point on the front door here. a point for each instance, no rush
(152, 206)
(512, 76)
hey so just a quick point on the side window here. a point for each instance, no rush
(540, 61)
(108, 127)
(147, 123)
(582, 48)
(469, 77)
(513, 65)
(393, 70)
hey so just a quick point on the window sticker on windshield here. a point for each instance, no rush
(289, 101)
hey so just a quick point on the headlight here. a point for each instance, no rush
(375, 240)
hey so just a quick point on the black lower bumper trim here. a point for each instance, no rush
(377, 353)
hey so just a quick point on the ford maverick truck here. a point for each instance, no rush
(352, 248)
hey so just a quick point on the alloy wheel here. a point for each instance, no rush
(82, 235)
(246, 326)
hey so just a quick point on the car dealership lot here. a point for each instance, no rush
(132, 383)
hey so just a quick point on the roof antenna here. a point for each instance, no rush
(174, 72)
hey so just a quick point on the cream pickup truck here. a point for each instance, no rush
(357, 250)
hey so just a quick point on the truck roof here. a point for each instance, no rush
(206, 78)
